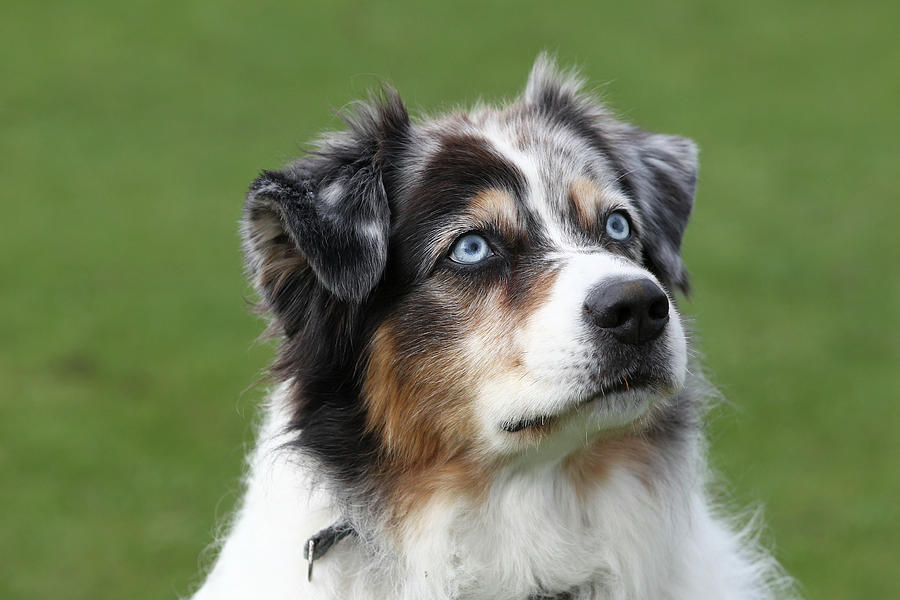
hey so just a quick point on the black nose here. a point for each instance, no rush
(635, 311)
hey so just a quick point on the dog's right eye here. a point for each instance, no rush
(617, 226)
(470, 249)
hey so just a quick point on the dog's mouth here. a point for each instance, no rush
(624, 384)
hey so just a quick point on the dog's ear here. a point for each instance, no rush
(658, 171)
(337, 228)
(326, 215)
(661, 172)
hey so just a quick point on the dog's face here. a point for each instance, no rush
(473, 289)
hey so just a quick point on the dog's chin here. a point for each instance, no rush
(616, 403)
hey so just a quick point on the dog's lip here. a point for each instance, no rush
(535, 423)
(623, 384)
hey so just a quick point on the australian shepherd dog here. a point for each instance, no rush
(483, 388)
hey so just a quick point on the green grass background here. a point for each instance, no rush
(130, 130)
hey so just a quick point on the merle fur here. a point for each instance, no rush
(657, 170)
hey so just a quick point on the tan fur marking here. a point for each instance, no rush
(419, 399)
(462, 477)
(404, 407)
(591, 465)
(420, 403)
(586, 196)
(421, 413)
(518, 305)
(498, 207)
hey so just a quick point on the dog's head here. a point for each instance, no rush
(461, 291)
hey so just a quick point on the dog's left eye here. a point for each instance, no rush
(470, 249)
(617, 226)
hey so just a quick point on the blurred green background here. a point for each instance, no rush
(130, 131)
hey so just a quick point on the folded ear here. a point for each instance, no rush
(324, 220)
(661, 171)
(338, 228)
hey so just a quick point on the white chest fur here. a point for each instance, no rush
(627, 539)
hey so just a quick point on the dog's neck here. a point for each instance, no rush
(538, 533)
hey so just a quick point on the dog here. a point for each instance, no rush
(484, 388)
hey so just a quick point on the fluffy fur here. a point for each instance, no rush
(483, 429)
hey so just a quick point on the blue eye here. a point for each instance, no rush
(470, 249)
(617, 226)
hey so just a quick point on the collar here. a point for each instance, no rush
(316, 546)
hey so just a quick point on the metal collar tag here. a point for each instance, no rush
(319, 544)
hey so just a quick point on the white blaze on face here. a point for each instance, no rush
(561, 357)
